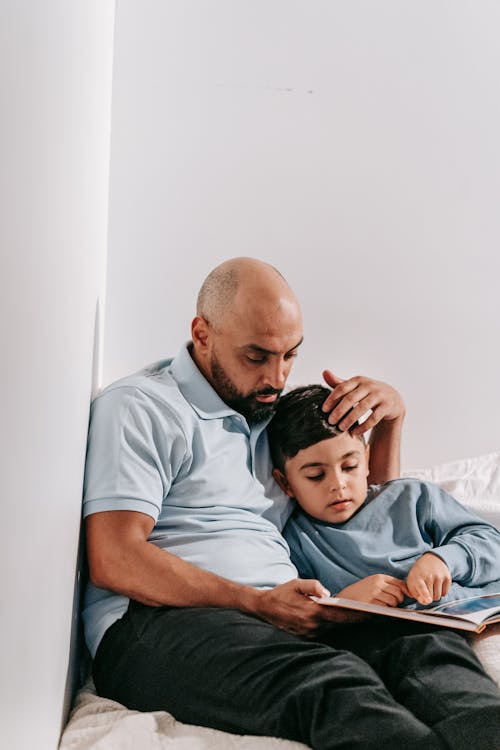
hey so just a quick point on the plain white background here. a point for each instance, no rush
(352, 144)
(55, 87)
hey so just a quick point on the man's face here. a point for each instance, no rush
(329, 479)
(248, 359)
(249, 377)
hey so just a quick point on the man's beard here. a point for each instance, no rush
(253, 410)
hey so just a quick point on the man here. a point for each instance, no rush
(195, 607)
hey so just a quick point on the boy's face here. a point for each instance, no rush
(328, 479)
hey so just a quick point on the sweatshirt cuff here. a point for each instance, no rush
(456, 558)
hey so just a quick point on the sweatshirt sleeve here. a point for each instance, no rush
(469, 546)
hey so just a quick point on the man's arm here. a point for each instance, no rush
(122, 560)
(385, 451)
(350, 400)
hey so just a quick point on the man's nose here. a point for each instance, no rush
(276, 375)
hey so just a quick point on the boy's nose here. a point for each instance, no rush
(337, 485)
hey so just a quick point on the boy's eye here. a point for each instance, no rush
(350, 468)
(316, 477)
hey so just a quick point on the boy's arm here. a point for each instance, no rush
(468, 545)
(350, 400)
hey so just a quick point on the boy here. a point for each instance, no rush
(405, 542)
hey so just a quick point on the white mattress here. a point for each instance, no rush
(99, 724)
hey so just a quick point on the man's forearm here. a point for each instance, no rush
(122, 560)
(385, 451)
(158, 578)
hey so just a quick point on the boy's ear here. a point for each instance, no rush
(282, 481)
(367, 454)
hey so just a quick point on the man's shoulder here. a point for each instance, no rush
(152, 389)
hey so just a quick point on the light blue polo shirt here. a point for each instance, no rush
(162, 442)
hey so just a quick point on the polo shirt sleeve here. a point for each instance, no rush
(135, 449)
(469, 546)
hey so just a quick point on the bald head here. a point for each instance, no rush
(242, 286)
(246, 334)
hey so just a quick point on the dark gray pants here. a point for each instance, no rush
(384, 684)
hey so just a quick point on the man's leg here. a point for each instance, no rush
(231, 671)
(436, 675)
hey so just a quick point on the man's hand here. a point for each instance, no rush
(429, 579)
(376, 589)
(352, 398)
(289, 607)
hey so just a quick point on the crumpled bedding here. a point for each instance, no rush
(99, 724)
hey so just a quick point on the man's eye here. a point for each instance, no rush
(291, 355)
(350, 468)
(256, 360)
(316, 477)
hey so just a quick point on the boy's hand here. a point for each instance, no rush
(429, 579)
(376, 589)
(352, 398)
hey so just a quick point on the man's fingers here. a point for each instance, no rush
(331, 379)
(339, 392)
(310, 587)
(355, 414)
(375, 417)
(349, 403)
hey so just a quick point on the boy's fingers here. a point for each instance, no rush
(387, 598)
(421, 592)
(395, 592)
(405, 590)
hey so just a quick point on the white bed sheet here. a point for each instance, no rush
(99, 724)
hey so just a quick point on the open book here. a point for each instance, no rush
(466, 614)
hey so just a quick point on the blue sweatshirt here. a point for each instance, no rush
(398, 522)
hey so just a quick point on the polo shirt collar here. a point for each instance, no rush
(197, 390)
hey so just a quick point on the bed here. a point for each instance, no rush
(99, 724)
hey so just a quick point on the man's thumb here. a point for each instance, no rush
(332, 379)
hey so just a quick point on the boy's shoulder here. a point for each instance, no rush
(403, 483)
(409, 488)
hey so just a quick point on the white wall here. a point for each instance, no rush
(55, 84)
(355, 145)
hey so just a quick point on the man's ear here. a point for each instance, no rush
(200, 333)
(282, 481)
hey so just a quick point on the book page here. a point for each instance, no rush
(483, 606)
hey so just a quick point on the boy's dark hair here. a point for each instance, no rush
(299, 422)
